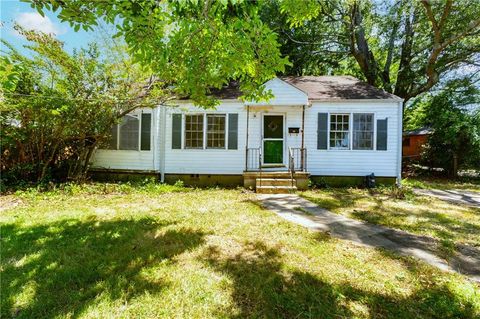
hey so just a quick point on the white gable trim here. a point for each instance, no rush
(284, 94)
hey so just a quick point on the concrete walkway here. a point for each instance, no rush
(453, 196)
(305, 213)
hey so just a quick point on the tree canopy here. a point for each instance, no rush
(57, 107)
(453, 115)
(193, 45)
(402, 46)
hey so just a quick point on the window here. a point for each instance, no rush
(339, 131)
(194, 131)
(133, 133)
(362, 131)
(215, 131)
(129, 129)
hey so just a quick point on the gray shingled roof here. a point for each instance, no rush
(420, 131)
(337, 88)
(320, 88)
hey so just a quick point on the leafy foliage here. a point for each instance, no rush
(57, 107)
(454, 117)
(403, 47)
(194, 45)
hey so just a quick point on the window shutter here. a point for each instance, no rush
(322, 131)
(233, 131)
(146, 129)
(113, 145)
(176, 131)
(382, 128)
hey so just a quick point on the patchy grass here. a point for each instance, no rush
(151, 251)
(450, 223)
(469, 184)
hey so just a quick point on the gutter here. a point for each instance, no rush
(399, 144)
(163, 126)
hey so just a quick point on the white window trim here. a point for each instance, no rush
(184, 129)
(350, 132)
(374, 128)
(205, 129)
(139, 149)
(225, 130)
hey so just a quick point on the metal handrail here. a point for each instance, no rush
(291, 165)
(260, 164)
(299, 158)
(254, 161)
(254, 158)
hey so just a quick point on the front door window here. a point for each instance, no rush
(273, 139)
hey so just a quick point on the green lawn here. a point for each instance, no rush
(468, 184)
(153, 251)
(450, 223)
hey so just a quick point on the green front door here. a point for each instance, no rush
(273, 139)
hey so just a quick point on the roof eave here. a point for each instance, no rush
(396, 100)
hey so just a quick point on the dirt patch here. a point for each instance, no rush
(8, 202)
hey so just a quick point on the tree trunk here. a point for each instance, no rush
(455, 165)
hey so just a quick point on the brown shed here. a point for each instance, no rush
(413, 142)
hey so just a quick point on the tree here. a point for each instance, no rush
(191, 46)
(59, 107)
(402, 46)
(454, 117)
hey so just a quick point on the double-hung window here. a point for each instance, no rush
(216, 131)
(129, 130)
(363, 131)
(200, 128)
(340, 131)
(132, 133)
(194, 131)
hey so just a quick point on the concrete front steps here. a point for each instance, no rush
(275, 182)
(275, 185)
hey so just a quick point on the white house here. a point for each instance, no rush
(321, 127)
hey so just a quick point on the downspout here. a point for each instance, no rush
(303, 126)
(246, 142)
(399, 144)
(163, 125)
(302, 152)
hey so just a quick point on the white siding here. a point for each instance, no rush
(206, 161)
(292, 118)
(353, 162)
(224, 161)
(129, 160)
(284, 94)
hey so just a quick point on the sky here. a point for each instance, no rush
(12, 11)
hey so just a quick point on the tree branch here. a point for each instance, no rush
(472, 26)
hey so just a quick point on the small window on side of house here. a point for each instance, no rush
(363, 131)
(131, 134)
(194, 131)
(340, 131)
(216, 130)
(129, 130)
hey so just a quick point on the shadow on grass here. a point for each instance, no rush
(446, 228)
(264, 288)
(428, 217)
(337, 198)
(61, 268)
